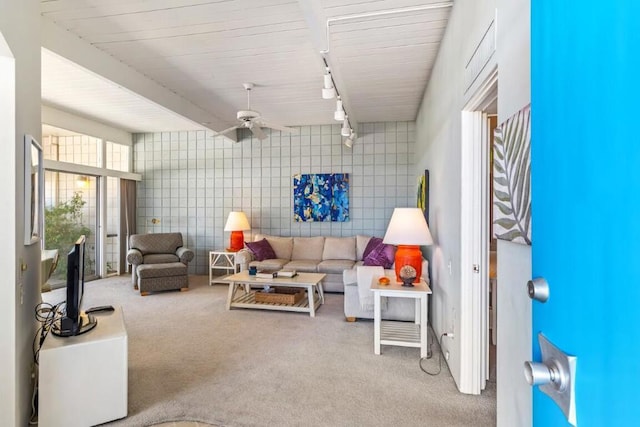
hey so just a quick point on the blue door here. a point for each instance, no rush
(585, 92)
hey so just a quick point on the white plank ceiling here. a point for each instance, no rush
(380, 51)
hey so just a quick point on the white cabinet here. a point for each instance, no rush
(83, 379)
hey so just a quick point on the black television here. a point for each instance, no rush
(74, 321)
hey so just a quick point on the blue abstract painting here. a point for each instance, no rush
(321, 197)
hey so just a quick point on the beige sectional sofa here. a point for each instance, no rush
(338, 258)
(329, 255)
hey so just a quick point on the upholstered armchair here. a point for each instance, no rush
(158, 262)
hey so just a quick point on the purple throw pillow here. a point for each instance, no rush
(382, 255)
(261, 249)
(373, 242)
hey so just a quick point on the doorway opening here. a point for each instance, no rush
(479, 119)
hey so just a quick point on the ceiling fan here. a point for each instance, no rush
(252, 120)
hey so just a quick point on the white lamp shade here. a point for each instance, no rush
(237, 221)
(408, 227)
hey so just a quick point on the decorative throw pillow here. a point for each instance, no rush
(373, 242)
(261, 249)
(382, 255)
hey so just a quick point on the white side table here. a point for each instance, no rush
(221, 260)
(403, 334)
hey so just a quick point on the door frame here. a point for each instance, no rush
(11, 293)
(474, 235)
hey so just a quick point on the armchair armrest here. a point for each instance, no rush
(243, 258)
(185, 255)
(134, 257)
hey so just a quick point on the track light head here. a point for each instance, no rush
(328, 83)
(346, 129)
(328, 93)
(339, 114)
(350, 140)
(328, 90)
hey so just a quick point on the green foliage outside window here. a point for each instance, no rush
(62, 227)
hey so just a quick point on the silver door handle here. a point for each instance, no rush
(556, 376)
(538, 289)
(545, 373)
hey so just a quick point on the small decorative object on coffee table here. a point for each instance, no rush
(407, 275)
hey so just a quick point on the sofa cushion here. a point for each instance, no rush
(282, 246)
(307, 248)
(160, 258)
(373, 242)
(335, 265)
(304, 266)
(261, 249)
(269, 264)
(361, 245)
(382, 255)
(339, 248)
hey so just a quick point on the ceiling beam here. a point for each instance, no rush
(73, 48)
(73, 122)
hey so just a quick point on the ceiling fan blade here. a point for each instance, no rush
(222, 132)
(257, 131)
(277, 127)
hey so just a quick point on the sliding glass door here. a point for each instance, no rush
(71, 210)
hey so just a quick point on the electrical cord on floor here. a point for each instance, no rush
(433, 374)
(47, 314)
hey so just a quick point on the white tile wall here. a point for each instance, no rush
(191, 181)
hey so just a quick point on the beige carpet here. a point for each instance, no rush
(191, 359)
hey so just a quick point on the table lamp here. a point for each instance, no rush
(408, 230)
(236, 223)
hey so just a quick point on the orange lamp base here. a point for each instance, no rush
(236, 242)
(409, 255)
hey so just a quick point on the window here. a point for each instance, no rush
(78, 180)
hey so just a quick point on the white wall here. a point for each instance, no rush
(20, 27)
(192, 181)
(438, 140)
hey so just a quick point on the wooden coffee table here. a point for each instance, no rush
(242, 296)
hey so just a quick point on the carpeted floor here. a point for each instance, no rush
(191, 359)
